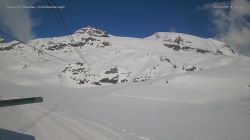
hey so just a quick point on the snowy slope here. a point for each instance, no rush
(166, 86)
(114, 60)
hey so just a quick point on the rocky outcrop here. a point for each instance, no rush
(179, 44)
(92, 32)
(9, 47)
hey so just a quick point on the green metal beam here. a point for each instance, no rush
(22, 101)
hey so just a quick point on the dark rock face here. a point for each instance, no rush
(141, 79)
(9, 47)
(201, 50)
(230, 48)
(162, 59)
(178, 40)
(79, 73)
(165, 59)
(113, 80)
(53, 46)
(83, 81)
(79, 63)
(89, 39)
(93, 42)
(177, 47)
(77, 44)
(96, 83)
(179, 44)
(112, 71)
(124, 80)
(76, 71)
(67, 69)
(186, 48)
(104, 44)
(193, 68)
(219, 52)
(173, 46)
(93, 32)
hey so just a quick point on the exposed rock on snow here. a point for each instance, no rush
(92, 31)
(179, 44)
(184, 97)
(116, 60)
(9, 46)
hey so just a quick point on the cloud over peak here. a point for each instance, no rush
(232, 23)
(16, 21)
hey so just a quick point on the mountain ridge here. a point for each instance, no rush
(116, 60)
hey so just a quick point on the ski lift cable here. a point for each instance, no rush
(67, 30)
(11, 36)
(64, 26)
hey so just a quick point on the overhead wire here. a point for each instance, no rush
(62, 23)
(11, 36)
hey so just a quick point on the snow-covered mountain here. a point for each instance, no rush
(115, 60)
(168, 86)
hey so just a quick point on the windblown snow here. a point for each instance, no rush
(168, 86)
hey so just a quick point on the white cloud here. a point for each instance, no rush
(16, 21)
(232, 23)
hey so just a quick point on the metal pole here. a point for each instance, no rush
(12, 102)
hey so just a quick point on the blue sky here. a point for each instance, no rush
(134, 18)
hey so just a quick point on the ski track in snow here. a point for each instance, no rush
(50, 122)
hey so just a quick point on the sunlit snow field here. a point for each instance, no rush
(209, 104)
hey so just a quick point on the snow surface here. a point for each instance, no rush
(169, 93)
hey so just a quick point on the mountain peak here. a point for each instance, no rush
(167, 35)
(92, 31)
